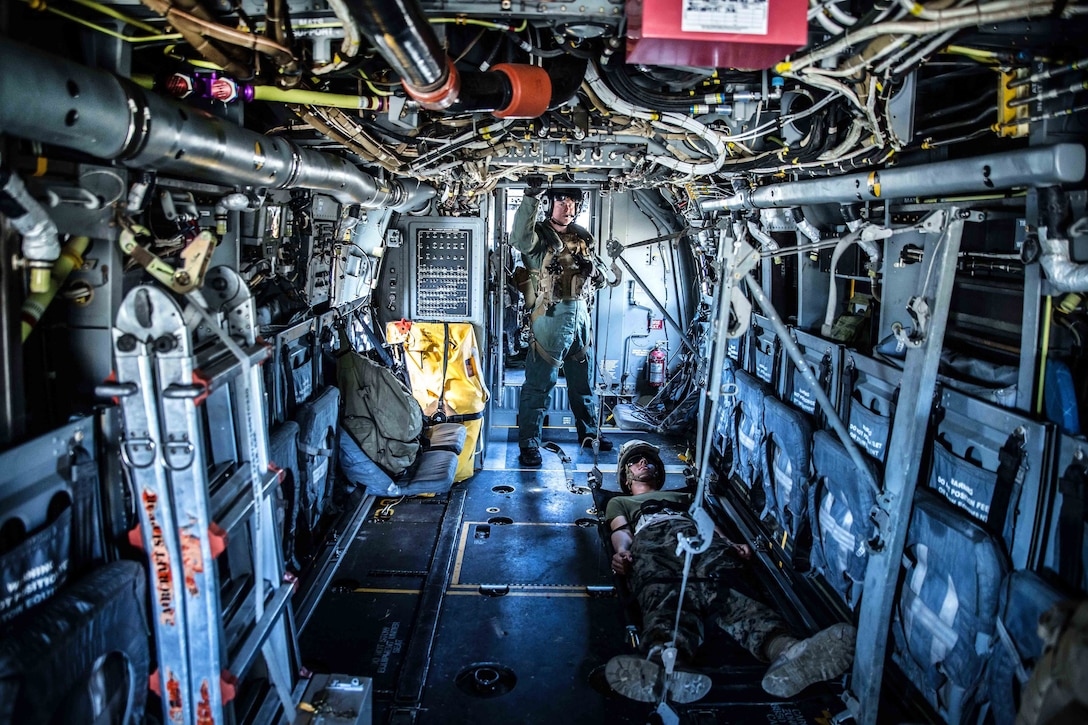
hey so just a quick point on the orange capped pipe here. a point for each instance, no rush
(530, 90)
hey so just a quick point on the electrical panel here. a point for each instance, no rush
(447, 275)
(325, 213)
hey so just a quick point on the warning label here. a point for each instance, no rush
(748, 17)
(965, 496)
(389, 645)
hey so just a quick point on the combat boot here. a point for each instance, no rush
(823, 656)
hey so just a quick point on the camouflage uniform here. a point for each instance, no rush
(655, 578)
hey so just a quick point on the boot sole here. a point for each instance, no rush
(639, 679)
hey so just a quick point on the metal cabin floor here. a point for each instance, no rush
(497, 604)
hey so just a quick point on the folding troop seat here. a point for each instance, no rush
(722, 441)
(283, 453)
(290, 374)
(867, 403)
(1070, 539)
(840, 507)
(1025, 597)
(764, 349)
(749, 452)
(824, 359)
(788, 472)
(990, 462)
(945, 617)
(317, 422)
(83, 655)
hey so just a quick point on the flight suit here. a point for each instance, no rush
(564, 275)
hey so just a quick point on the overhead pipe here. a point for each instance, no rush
(399, 31)
(1041, 166)
(94, 112)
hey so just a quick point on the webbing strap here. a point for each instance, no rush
(688, 554)
(375, 343)
(548, 357)
(1010, 479)
(439, 408)
(1073, 485)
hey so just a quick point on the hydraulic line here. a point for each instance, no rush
(1052, 93)
(982, 116)
(857, 35)
(315, 98)
(41, 246)
(957, 108)
(1044, 350)
(1081, 64)
(717, 145)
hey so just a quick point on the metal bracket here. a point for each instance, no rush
(704, 533)
(918, 306)
(195, 259)
(740, 259)
(918, 309)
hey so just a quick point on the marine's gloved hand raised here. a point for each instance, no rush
(534, 185)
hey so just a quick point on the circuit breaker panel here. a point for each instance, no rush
(325, 212)
(445, 269)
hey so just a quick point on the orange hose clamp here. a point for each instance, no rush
(531, 90)
(442, 97)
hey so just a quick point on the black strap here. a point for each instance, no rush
(440, 413)
(849, 380)
(460, 418)
(1073, 485)
(1010, 479)
(289, 401)
(375, 342)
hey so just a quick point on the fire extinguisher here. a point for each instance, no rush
(655, 363)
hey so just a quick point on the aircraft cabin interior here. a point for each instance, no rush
(492, 361)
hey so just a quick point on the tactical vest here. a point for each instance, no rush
(565, 271)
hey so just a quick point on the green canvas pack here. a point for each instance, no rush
(379, 411)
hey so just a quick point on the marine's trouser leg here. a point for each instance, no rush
(656, 578)
(553, 334)
(540, 377)
(751, 623)
(578, 369)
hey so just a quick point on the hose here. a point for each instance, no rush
(40, 244)
(34, 306)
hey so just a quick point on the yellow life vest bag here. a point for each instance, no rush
(455, 378)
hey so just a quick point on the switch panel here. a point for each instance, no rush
(446, 253)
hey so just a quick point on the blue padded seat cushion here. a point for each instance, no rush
(789, 443)
(840, 510)
(947, 608)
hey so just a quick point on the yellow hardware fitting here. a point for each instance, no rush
(1012, 122)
